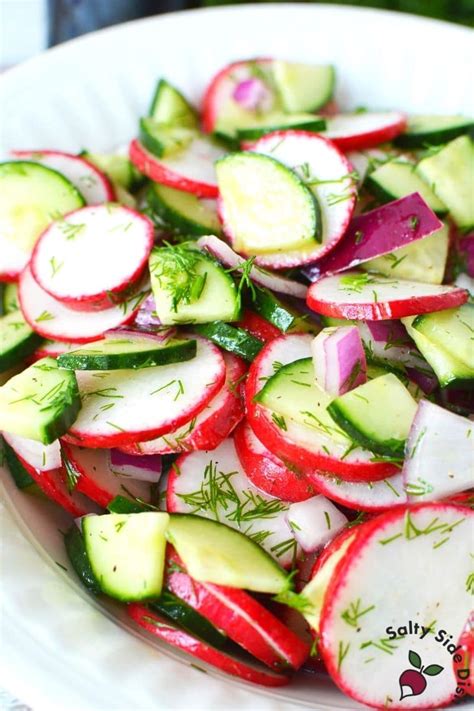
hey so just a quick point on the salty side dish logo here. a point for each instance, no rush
(413, 681)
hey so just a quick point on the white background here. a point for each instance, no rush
(23, 30)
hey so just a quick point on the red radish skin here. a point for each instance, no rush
(167, 632)
(211, 426)
(55, 321)
(305, 458)
(378, 232)
(266, 471)
(380, 298)
(258, 326)
(53, 349)
(97, 480)
(339, 359)
(101, 231)
(239, 616)
(332, 547)
(157, 171)
(86, 177)
(372, 496)
(356, 132)
(464, 667)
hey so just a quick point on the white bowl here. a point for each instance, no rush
(61, 649)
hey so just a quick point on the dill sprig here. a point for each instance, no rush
(175, 269)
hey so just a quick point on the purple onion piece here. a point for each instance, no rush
(428, 383)
(389, 331)
(466, 247)
(147, 318)
(253, 94)
(339, 359)
(144, 468)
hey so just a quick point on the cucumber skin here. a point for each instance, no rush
(268, 306)
(434, 138)
(252, 133)
(18, 472)
(232, 339)
(381, 194)
(389, 448)
(55, 429)
(120, 361)
(76, 551)
(20, 351)
(122, 505)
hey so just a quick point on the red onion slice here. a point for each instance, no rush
(339, 359)
(144, 468)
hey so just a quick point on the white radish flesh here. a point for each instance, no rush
(362, 495)
(315, 522)
(43, 457)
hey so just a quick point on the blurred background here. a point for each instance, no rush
(29, 26)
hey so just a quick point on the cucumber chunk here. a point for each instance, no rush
(118, 168)
(163, 140)
(40, 403)
(19, 474)
(278, 313)
(281, 122)
(425, 130)
(17, 340)
(169, 106)
(396, 179)
(10, 298)
(448, 368)
(452, 330)
(188, 619)
(76, 551)
(183, 211)
(377, 415)
(127, 553)
(117, 352)
(232, 339)
(268, 208)
(303, 87)
(450, 173)
(191, 287)
(214, 553)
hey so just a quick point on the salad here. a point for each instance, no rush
(239, 353)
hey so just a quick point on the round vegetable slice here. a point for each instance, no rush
(403, 550)
(43, 457)
(362, 496)
(353, 132)
(363, 296)
(94, 257)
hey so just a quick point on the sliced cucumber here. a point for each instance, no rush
(17, 340)
(212, 552)
(452, 330)
(163, 140)
(118, 168)
(169, 106)
(303, 87)
(449, 369)
(115, 353)
(281, 122)
(377, 415)
(76, 551)
(423, 260)
(188, 619)
(10, 298)
(450, 173)
(127, 553)
(183, 211)
(191, 287)
(268, 208)
(19, 474)
(40, 403)
(396, 179)
(232, 339)
(292, 392)
(426, 130)
(278, 313)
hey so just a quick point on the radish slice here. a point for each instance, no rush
(315, 522)
(242, 618)
(314, 159)
(266, 471)
(52, 319)
(144, 468)
(355, 132)
(91, 182)
(440, 454)
(307, 448)
(239, 505)
(211, 426)
(368, 636)
(166, 631)
(42, 457)
(52, 349)
(191, 171)
(62, 264)
(258, 326)
(362, 496)
(339, 359)
(97, 479)
(226, 255)
(124, 406)
(378, 232)
(363, 296)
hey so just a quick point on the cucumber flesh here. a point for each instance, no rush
(127, 553)
(267, 206)
(425, 130)
(232, 339)
(396, 179)
(303, 87)
(452, 330)
(40, 403)
(163, 140)
(212, 552)
(183, 211)
(119, 352)
(10, 298)
(169, 106)
(17, 340)
(76, 551)
(377, 415)
(278, 313)
(450, 173)
(190, 287)
(118, 168)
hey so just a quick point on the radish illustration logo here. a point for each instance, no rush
(412, 681)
